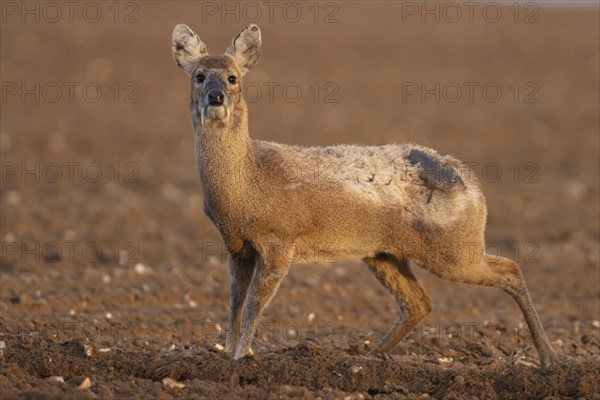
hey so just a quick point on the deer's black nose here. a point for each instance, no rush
(215, 97)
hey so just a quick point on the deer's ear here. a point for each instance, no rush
(187, 47)
(246, 48)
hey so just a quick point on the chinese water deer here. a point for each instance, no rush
(276, 204)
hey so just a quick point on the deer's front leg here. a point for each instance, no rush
(241, 270)
(268, 276)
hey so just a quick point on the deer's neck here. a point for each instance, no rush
(226, 164)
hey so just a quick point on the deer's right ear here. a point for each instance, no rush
(246, 48)
(187, 47)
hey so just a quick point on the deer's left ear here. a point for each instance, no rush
(246, 48)
(187, 47)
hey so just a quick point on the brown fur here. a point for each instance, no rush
(275, 205)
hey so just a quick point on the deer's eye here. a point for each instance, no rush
(200, 78)
(232, 79)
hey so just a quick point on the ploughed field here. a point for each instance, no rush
(114, 282)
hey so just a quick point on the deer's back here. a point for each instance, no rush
(394, 173)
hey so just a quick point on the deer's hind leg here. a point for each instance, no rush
(505, 274)
(397, 276)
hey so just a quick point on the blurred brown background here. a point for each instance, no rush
(357, 65)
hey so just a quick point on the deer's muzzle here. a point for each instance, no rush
(212, 114)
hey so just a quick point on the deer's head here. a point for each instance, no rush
(216, 80)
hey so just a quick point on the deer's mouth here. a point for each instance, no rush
(215, 114)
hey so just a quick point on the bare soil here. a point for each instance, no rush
(121, 278)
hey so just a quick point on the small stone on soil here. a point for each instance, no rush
(445, 360)
(85, 384)
(13, 197)
(140, 268)
(580, 351)
(525, 363)
(171, 383)
(576, 190)
(356, 368)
